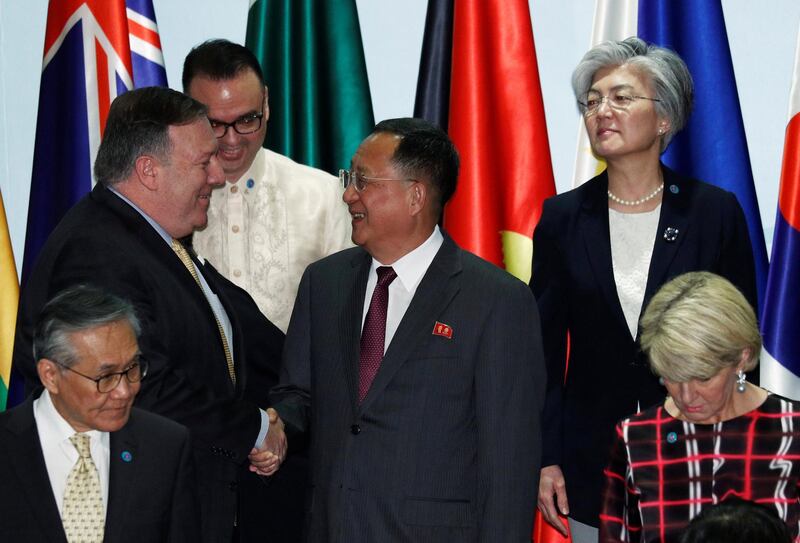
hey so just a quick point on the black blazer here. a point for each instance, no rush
(104, 241)
(150, 498)
(446, 445)
(573, 281)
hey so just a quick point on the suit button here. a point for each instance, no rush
(232, 487)
(355, 429)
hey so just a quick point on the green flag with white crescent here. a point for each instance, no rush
(313, 62)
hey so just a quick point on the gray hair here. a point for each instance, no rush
(138, 124)
(697, 324)
(667, 72)
(75, 309)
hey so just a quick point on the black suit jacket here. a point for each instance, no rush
(104, 241)
(150, 498)
(573, 282)
(446, 444)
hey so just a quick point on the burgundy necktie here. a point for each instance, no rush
(373, 336)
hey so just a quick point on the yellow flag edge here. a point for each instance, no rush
(9, 298)
(517, 254)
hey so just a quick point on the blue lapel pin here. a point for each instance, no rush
(126, 456)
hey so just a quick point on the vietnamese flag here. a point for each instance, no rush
(497, 122)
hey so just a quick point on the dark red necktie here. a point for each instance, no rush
(373, 336)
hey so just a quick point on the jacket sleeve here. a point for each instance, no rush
(509, 391)
(736, 262)
(292, 396)
(548, 283)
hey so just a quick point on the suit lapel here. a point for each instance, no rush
(164, 254)
(212, 276)
(350, 321)
(122, 479)
(674, 215)
(151, 239)
(434, 294)
(597, 241)
(25, 455)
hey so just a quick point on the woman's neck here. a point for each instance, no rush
(632, 181)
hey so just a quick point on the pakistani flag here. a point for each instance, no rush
(313, 63)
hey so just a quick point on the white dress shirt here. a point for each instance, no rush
(409, 269)
(60, 455)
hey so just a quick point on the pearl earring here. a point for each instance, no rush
(741, 381)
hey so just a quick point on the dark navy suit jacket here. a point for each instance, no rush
(446, 445)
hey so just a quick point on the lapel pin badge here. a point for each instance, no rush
(672, 437)
(671, 234)
(126, 456)
(444, 330)
(674, 189)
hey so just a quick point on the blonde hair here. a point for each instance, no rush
(697, 324)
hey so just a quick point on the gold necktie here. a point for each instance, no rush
(183, 254)
(84, 516)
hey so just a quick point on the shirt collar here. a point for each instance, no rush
(157, 227)
(412, 266)
(53, 428)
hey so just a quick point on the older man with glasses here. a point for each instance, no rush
(78, 462)
(416, 366)
(206, 342)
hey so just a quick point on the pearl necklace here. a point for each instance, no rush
(647, 198)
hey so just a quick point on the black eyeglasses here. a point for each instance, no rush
(246, 124)
(105, 384)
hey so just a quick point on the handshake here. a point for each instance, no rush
(266, 459)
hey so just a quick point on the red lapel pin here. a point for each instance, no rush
(441, 329)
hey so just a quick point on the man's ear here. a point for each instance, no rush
(49, 374)
(146, 169)
(418, 197)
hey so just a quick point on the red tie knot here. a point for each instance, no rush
(386, 275)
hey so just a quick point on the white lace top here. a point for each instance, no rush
(632, 238)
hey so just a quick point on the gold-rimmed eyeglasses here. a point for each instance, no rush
(620, 101)
(361, 181)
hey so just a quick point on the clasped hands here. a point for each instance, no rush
(266, 459)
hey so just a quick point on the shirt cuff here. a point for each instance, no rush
(262, 433)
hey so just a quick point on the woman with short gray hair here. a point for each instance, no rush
(716, 436)
(603, 249)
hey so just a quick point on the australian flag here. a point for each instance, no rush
(94, 50)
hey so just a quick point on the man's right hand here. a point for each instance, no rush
(551, 483)
(266, 459)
